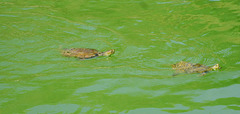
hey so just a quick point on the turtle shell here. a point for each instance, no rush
(186, 67)
(82, 53)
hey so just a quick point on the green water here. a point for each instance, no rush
(148, 36)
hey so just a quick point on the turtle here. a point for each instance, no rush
(85, 53)
(186, 67)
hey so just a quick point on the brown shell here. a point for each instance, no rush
(186, 67)
(82, 53)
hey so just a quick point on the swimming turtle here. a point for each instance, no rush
(186, 67)
(85, 53)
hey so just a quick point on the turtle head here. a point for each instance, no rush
(215, 67)
(108, 53)
(66, 52)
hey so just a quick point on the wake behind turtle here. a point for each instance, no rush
(85, 53)
(186, 67)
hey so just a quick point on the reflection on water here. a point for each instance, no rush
(148, 37)
(60, 108)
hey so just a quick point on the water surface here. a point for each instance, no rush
(148, 37)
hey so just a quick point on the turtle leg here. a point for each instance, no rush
(202, 74)
(175, 74)
(81, 58)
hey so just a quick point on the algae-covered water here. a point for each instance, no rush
(148, 36)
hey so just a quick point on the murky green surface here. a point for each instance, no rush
(148, 35)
